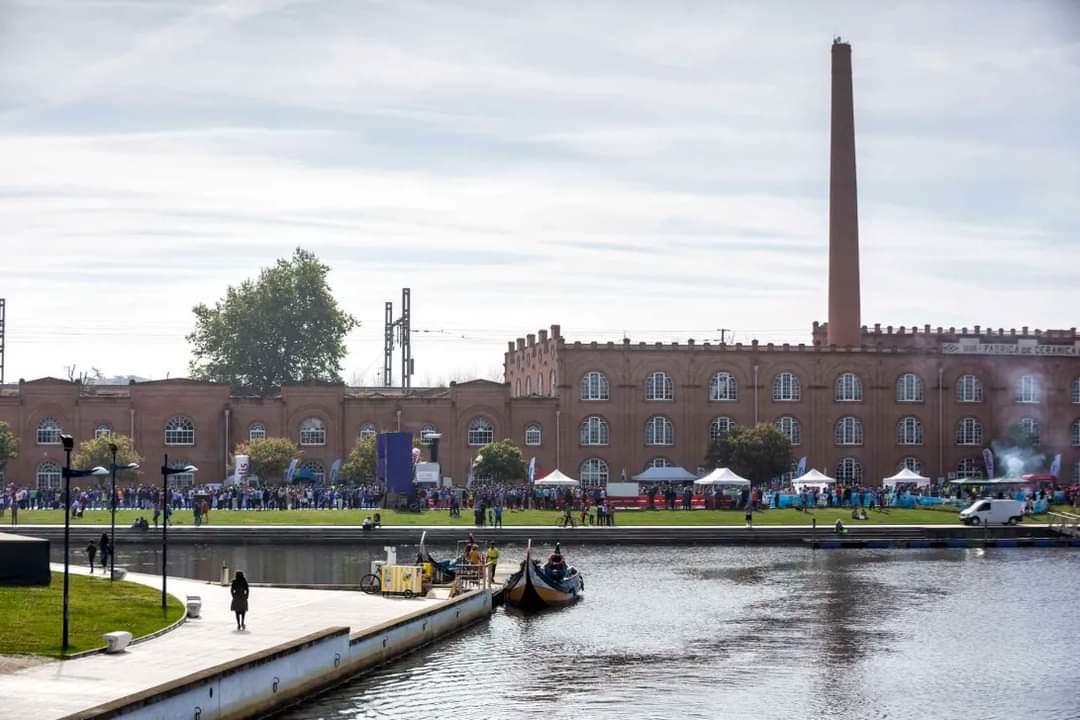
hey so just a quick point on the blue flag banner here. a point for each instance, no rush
(334, 470)
(801, 469)
(988, 460)
(532, 469)
(1055, 466)
(291, 472)
(393, 461)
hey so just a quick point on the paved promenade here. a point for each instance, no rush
(277, 615)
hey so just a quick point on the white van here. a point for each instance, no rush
(987, 510)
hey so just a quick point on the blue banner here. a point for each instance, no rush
(532, 469)
(291, 472)
(1055, 466)
(988, 460)
(801, 469)
(393, 461)
(334, 470)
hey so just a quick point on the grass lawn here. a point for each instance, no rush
(33, 615)
(894, 516)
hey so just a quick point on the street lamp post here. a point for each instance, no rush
(112, 532)
(166, 471)
(69, 445)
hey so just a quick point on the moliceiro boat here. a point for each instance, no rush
(534, 587)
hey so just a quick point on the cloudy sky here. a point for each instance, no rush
(658, 169)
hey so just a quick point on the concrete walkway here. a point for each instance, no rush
(277, 615)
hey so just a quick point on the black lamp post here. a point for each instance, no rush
(69, 445)
(166, 471)
(112, 532)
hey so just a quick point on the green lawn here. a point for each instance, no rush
(33, 615)
(895, 516)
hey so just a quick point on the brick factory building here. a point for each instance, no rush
(859, 402)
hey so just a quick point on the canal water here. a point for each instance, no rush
(729, 632)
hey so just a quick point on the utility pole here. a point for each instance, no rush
(723, 334)
(3, 313)
(403, 328)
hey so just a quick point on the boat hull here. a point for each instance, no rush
(532, 589)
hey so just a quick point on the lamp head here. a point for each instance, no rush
(68, 441)
(128, 466)
(113, 448)
(98, 470)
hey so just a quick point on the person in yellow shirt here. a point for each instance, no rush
(492, 559)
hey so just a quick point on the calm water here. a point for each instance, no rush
(733, 632)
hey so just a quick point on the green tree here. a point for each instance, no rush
(758, 453)
(359, 464)
(9, 445)
(283, 327)
(501, 461)
(270, 457)
(96, 451)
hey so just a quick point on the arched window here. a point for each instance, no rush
(969, 431)
(848, 388)
(658, 386)
(593, 473)
(909, 388)
(367, 430)
(317, 470)
(481, 432)
(659, 431)
(256, 431)
(786, 387)
(969, 389)
(912, 463)
(180, 430)
(552, 384)
(48, 432)
(594, 386)
(723, 388)
(1030, 427)
(540, 383)
(848, 431)
(49, 476)
(533, 434)
(969, 467)
(1076, 391)
(103, 429)
(849, 471)
(790, 427)
(312, 432)
(720, 427)
(909, 431)
(1028, 389)
(425, 430)
(659, 462)
(594, 431)
(1075, 432)
(528, 385)
(517, 388)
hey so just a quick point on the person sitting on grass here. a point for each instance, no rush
(838, 528)
(367, 524)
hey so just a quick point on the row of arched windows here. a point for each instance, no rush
(787, 387)
(536, 388)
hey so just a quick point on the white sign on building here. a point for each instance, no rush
(1021, 347)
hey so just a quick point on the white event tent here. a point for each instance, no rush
(556, 479)
(906, 477)
(723, 477)
(813, 478)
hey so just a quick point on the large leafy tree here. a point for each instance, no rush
(270, 457)
(9, 445)
(283, 327)
(97, 451)
(501, 461)
(758, 453)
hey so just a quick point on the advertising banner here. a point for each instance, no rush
(393, 461)
(241, 469)
(988, 460)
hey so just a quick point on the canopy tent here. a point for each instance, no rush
(665, 474)
(723, 476)
(813, 478)
(556, 478)
(906, 476)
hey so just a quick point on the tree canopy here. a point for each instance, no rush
(501, 461)
(359, 464)
(96, 451)
(270, 457)
(283, 327)
(759, 453)
(9, 445)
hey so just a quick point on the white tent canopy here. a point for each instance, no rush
(906, 477)
(556, 479)
(723, 476)
(813, 478)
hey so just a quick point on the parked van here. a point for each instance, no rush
(987, 511)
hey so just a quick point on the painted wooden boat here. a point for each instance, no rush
(535, 587)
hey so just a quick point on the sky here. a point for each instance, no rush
(653, 170)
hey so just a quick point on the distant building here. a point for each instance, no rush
(859, 402)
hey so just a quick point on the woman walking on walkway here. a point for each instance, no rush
(240, 592)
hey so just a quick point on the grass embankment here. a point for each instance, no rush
(892, 516)
(31, 618)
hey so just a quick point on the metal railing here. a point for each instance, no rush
(1064, 523)
(471, 577)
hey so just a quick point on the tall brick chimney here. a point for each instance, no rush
(844, 312)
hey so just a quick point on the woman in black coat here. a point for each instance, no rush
(240, 592)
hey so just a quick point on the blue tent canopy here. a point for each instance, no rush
(665, 474)
(304, 474)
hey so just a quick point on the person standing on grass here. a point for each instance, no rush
(498, 514)
(106, 552)
(91, 553)
(240, 591)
